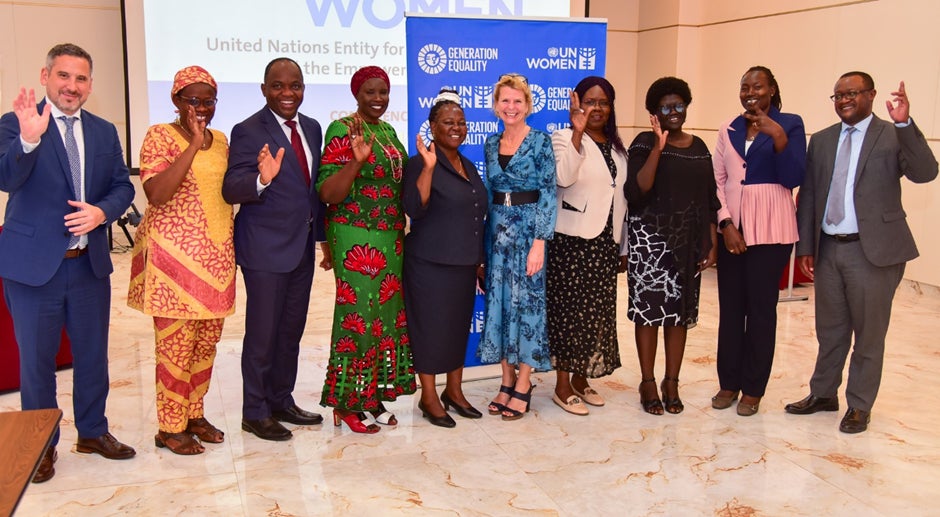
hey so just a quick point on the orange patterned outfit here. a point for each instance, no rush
(183, 272)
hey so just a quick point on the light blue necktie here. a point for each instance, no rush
(75, 164)
(835, 208)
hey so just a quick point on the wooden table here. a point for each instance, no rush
(24, 436)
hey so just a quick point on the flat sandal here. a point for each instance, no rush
(205, 431)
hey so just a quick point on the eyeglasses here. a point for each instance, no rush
(514, 76)
(667, 109)
(849, 96)
(196, 101)
(596, 104)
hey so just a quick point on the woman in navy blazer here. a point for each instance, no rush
(447, 202)
(760, 156)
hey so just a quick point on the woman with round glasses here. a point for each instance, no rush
(757, 224)
(183, 264)
(671, 191)
(584, 255)
(520, 178)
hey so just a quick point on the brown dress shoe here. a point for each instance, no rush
(855, 421)
(46, 466)
(105, 445)
(812, 404)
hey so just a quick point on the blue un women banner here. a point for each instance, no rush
(470, 54)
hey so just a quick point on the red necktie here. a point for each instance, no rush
(298, 149)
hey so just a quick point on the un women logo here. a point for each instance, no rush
(432, 58)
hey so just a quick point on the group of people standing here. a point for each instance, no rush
(544, 236)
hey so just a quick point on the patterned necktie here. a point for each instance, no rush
(298, 149)
(835, 207)
(75, 164)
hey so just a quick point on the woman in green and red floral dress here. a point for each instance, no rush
(360, 179)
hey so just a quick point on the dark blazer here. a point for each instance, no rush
(761, 165)
(271, 229)
(449, 230)
(34, 237)
(888, 153)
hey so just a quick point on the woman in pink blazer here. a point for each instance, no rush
(759, 157)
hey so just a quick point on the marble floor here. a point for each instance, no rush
(617, 461)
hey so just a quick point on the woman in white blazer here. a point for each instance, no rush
(584, 255)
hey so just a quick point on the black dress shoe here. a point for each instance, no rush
(855, 421)
(298, 416)
(46, 466)
(267, 429)
(440, 421)
(812, 404)
(105, 445)
(466, 412)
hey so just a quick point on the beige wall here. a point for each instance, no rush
(807, 43)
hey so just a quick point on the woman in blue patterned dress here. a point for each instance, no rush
(520, 179)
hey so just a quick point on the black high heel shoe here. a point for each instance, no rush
(496, 408)
(440, 421)
(513, 414)
(464, 411)
(653, 406)
(673, 405)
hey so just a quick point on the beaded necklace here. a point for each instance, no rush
(389, 149)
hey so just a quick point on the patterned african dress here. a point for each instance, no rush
(669, 231)
(582, 296)
(370, 358)
(183, 272)
(515, 323)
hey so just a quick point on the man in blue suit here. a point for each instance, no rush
(277, 224)
(67, 181)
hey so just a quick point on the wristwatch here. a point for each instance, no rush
(725, 223)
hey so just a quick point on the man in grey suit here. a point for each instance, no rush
(855, 241)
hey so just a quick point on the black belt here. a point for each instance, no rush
(843, 237)
(515, 198)
(75, 253)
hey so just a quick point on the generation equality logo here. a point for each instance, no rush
(434, 59)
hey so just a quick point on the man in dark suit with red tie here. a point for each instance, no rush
(277, 225)
(64, 170)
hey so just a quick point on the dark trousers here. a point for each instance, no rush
(81, 302)
(275, 315)
(853, 296)
(748, 291)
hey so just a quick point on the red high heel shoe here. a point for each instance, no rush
(355, 421)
